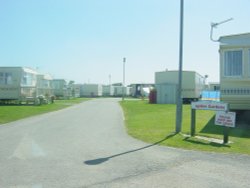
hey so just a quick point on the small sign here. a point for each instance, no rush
(225, 118)
(210, 105)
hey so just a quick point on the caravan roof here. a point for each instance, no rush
(235, 40)
(25, 69)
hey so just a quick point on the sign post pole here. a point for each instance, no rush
(193, 118)
(225, 138)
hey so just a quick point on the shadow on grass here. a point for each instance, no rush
(241, 130)
(218, 145)
(104, 159)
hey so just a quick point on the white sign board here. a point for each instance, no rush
(209, 105)
(225, 118)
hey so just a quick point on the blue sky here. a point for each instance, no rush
(86, 40)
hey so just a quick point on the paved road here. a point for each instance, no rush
(87, 146)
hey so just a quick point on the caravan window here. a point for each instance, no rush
(28, 79)
(5, 78)
(233, 63)
(249, 61)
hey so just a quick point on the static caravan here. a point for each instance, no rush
(235, 70)
(107, 90)
(91, 90)
(44, 85)
(76, 89)
(18, 84)
(120, 90)
(59, 87)
(166, 85)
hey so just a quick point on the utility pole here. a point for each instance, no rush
(179, 89)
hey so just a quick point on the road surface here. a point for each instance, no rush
(86, 145)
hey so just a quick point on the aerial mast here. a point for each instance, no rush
(214, 25)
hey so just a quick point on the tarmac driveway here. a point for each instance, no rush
(87, 146)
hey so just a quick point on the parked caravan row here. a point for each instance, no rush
(21, 84)
(98, 90)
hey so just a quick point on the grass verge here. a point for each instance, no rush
(10, 113)
(155, 122)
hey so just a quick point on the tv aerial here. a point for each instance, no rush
(214, 25)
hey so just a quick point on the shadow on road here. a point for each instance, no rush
(104, 159)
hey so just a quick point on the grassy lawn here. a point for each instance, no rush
(10, 113)
(155, 123)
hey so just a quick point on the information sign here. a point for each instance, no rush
(225, 118)
(210, 105)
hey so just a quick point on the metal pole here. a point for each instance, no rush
(193, 122)
(226, 133)
(179, 89)
(123, 88)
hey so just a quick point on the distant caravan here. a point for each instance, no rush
(166, 86)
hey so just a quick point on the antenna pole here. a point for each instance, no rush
(214, 25)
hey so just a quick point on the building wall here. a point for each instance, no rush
(166, 93)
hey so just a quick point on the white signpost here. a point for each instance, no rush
(222, 118)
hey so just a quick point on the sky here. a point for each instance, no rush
(86, 40)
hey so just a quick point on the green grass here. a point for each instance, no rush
(154, 123)
(10, 113)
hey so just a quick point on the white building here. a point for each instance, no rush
(44, 85)
(119, 91)
(76, 90)
(166, 86)
(22, 84)
(60, 89)
(17, 84)
(235, 70)
(91, 90)
(108, 90)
